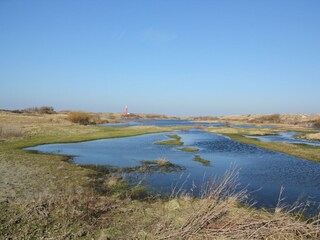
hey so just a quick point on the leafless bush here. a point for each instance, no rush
(41, 110)
(317, 123)
(206, 118)
(46, 110)
(79, 117)
(273, 118)
(11, 131)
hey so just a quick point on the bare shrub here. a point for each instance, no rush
(46, 110)
(273, 118)
(206, 118)
(41, 110)
(11, 131)
(316, 124)
(79, 117)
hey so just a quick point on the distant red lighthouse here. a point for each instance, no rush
(126, 111)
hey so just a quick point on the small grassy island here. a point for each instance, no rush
(204, 162)
(189, 149)
(161, 165)
(176, 141)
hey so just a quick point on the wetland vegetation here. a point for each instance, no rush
(189, 149)
(77, 201)
(175, 142)
(204, 162)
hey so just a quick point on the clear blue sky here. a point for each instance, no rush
(173, 57)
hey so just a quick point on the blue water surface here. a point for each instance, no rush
(261, 171)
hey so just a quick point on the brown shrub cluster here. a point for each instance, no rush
(84, 118)
(317, 123)
(41, 110)
(273, 118)
(205, 118)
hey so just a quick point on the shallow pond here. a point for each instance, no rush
(287, 137)
(262, 172)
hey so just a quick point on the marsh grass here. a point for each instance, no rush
(189, 149)
(174, 136)
(175, 142)
(204, 162)
(160, 162)
(223, 212)
(161, 165)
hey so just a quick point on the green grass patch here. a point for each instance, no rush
(189, 149)
(174, 136)
(175, 142)
(170, 143)
(204, 162)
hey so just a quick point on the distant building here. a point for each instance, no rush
(126, 111)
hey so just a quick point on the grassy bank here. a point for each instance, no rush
(44, 196)
(308, 152)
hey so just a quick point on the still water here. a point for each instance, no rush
(287, 137)
(262, 172)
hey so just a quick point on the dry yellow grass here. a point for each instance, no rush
(311, 136)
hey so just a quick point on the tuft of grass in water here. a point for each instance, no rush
(161, 165)
(175, 142)
(170, 142)
(189, 149)
(174, 136)
(204, 162)
(161, 162)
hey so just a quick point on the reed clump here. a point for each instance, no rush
(223, 212)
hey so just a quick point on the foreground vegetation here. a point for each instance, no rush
(80, 202)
